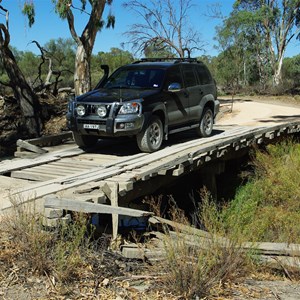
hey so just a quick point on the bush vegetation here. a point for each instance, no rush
(267, 207)
(196, 265)
(61, 254)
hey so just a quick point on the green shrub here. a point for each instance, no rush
(267, 207)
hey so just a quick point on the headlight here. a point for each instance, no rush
(80, 109)
(101, 111)
(130, 108)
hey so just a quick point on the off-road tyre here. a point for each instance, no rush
(205, 127)
(150, 139)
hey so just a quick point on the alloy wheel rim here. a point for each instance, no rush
(155, 134)
(207, 123)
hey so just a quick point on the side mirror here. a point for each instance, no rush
(174, 87)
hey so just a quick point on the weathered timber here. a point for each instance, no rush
(7, 166)
(111, 190)
(51, 140)
(87, 207)
(178, 159)
(278, 255)
(33, 148)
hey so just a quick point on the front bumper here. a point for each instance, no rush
(124, 125)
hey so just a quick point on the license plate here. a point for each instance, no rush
(90, 126)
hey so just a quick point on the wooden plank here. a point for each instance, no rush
(87, 207)
(73, 164)
(178, 226)
(30, 147)
(111, 189)
(38, 190)
(60, 171)
(35, 176)
(267, 248)
(54, 139)
(7, 166)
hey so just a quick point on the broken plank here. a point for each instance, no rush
(30, 147)
(7, 166)
(179, 226)
(267, 248)
(54, 139)
(86, 207)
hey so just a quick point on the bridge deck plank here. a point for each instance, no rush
(142, 166)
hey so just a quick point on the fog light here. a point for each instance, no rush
(80, 109)
(101, 111)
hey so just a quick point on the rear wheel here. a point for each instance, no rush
(85, 141)
(150, 139)
(206, 123)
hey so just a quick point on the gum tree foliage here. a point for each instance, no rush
(263, 28)
(164, 25)
(115, 58)
(291, 71)
(92, 11)
(26, 98)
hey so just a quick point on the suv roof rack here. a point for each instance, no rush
(161, 59)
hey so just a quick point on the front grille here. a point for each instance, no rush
(86, 121)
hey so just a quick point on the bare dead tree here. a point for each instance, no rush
(164, 25)
(24, 95)
(44, 85)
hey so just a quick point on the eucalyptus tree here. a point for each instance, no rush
(164, 25)
(242, 44)
(93, 10)
(90, 10)
(268, 26)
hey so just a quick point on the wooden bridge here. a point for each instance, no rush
(115, 172)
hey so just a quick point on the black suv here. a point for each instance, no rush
(148, 99)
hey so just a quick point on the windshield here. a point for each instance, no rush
(136, 78)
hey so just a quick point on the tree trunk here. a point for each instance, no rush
(85, 44)
(277, 78)
(82, 77)
(26, 98)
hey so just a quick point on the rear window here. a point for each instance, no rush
(203, 75)
(189, 76)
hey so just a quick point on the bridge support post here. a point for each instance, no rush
(111, 189)
(208, 177)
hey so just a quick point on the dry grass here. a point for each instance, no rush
(196, 266)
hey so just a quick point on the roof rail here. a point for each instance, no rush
(161, 59)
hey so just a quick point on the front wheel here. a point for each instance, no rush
(206, 123)
(150, 139)
(85, 141)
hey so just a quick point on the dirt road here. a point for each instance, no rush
(257, 113)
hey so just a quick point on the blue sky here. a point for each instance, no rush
(48, 26)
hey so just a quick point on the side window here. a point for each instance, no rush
(204, 75)
(189, 76)
(173, 76)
